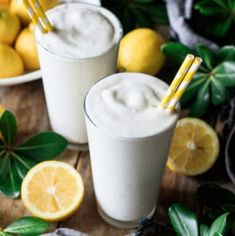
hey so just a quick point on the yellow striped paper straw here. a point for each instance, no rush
(35, 4)
(177, 79)
(33, 16)
(181, 89)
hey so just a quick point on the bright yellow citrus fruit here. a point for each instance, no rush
(26, 47)
(4, 4)
(11, 63)
(17, 7)
(52, 190)
(9, 27)
(140, 52)
(194, 148)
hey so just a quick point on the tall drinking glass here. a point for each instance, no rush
(129, 138)
(81, 49)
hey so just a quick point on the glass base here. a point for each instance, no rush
(78, 146)
(123, 224)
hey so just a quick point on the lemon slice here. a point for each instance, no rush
(194, 148)
(52, 190)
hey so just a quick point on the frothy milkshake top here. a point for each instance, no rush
(126, 105)
(81, 31)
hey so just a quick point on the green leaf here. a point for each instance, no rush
(223, 27)
(4, 167)
(207, 55)
(27, 226)
(11, 186)
(225, 72)
(219, 93)
(193, 88)
(23, 164)
(43, 146)
(227, 53)
(8, 126)
(5, 234)
(208, 8)
(204, 230)
(219, 225)
(183, 220)
(202, 101)
(176, 51)
(217, 234)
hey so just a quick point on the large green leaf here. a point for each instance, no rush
(204, 230)
(208, 57)
(176, 51)
(4, 167)
(183, 220)
(193, 88)
(208, 8)
(219, 225)
(219, 93)
(23, 164)
(202, 101)
(223, 27)
(225, 72)
(27, 226)
(227, 53)
(11, 186)
(43, 146)
(8, 126)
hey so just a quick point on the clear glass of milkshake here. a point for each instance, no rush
(129, 138)
(80, 50)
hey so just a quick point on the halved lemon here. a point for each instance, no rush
(52, 190)
(194, 148)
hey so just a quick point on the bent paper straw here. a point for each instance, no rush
(177, 79)
(182, 87)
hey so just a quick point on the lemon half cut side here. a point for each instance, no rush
(52, 190)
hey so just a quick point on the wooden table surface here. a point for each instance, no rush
(28, 103)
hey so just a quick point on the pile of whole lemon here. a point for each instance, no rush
(18, 52)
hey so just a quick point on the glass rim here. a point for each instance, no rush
(119, 136)
(118, 32)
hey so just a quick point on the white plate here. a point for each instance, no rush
(20, 79)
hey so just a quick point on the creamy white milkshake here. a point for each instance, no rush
(129, 138)
(81, 49)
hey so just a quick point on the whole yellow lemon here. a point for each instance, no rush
(17, 7)
(11, 63)
(4, 4)
(9, 27)
(140, 52)
(26, 47)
